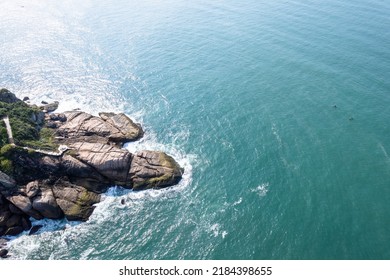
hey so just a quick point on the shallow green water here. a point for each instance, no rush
(242, 93)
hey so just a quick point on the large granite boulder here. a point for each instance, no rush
(76, 202)
(50, 107)
(45, 203)
(129, 130)
(6, 182)
(83, 174)
(110, 128)
(41, 199)
(25, 204)
(151, 169)
(111, 162)
(12, 222)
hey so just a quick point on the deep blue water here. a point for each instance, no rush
(242, 94)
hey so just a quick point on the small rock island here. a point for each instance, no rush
(56, 165)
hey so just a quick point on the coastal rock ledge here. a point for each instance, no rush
(60, 163)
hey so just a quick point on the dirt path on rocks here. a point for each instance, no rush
(9, 130)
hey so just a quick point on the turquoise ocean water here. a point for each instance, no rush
(242, 94)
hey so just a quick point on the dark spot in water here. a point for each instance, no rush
(3, 253)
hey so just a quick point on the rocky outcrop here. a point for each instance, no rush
(150, 169)
(6, 182)
(129, 131)
(49, 107)
(74, 182)
(69, 183)
(110, 128)
(96, 166)
(25, 204)
(43, 199)
(75, 202)
(7, 97)
(3, 251)
(12, 220)
(109, 161)
(83, 174)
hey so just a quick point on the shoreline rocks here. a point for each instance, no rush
(3, 251)
(68, 184)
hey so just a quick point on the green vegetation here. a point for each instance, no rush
(45, 141)
(26, 122)
(72, 153)
(6, 166)
(6, 153)
(22, 122)
(3, 134)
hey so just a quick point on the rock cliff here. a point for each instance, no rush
(67, 183)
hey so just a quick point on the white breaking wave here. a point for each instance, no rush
(261, 190)
(239, 201)
(122, 198)
(24, 245)
(216, 230)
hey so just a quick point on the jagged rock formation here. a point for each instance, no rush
(68, 184)
(109, 128)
